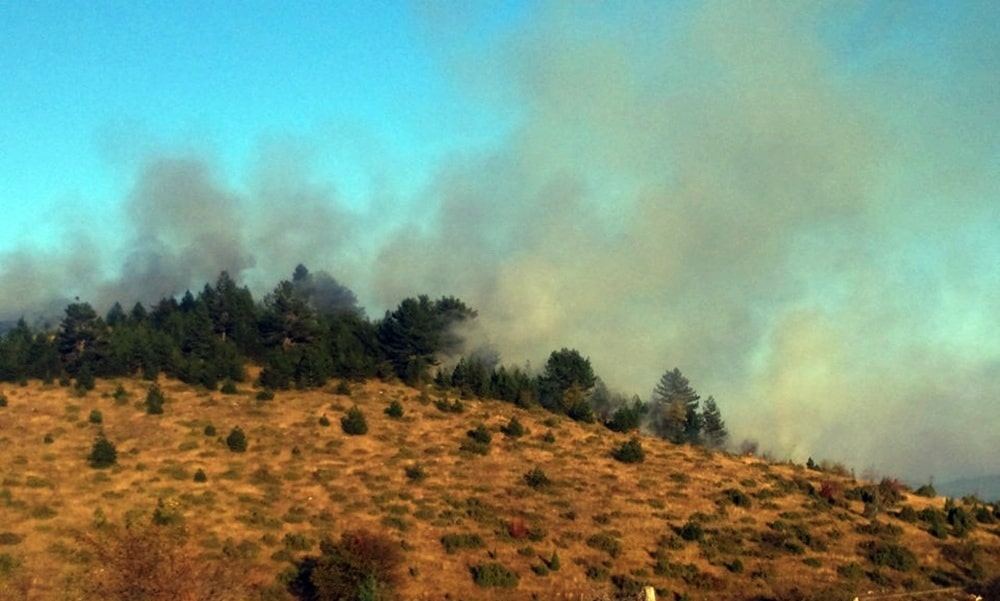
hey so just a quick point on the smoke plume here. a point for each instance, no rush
(765, 195)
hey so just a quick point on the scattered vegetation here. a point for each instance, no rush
(354, 423)
(237, 440)
(103, 453)
(630, 452)
(494, 574)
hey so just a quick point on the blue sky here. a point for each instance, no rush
(91, 87)
(795, 203)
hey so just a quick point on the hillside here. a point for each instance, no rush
(693, 523)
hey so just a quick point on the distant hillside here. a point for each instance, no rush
(470, 502)
(985, 487)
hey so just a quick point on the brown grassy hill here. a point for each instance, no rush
(693, 523)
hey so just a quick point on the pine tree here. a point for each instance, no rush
(713, 426)
(103, 453)
(675, 409)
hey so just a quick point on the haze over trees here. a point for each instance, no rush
(310, 329)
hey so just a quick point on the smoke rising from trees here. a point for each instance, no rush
(765, 195)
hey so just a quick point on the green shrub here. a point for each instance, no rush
(549, 437)
(228, 387)
(443, 405)
(454, 542)
(265, 394)
(961, 521)
(209, 430)
(889, 555)
(85, 380)
(691, 531)
(537, 479)
(9, 564)
(48, 438)
(237, 440)
(199, 476)
(297, 542)
(606, 542)
(737, 497)
(3, 400)
(480, 434)
(10, 538)
(167, 513)
(478, 441)
(95, 417)
(154, 400)
(103, 453)
(415, 473)
(324, 421)
(494, 574)
(120, 395)
(362, 565)
(394, 410)
(926, 490)
(513, 429)
(354, 423)
(630, 452)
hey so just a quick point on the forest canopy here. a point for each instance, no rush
(310, 329)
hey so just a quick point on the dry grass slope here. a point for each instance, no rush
(552, 506)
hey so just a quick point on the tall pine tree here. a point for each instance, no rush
(675, 409)
(713, 427)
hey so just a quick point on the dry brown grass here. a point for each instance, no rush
(301, 478)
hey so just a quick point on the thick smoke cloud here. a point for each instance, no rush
(765, 195)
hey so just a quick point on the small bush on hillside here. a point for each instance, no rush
(478, 441)
(537, 479)
(120, 395)
(890, 555)
(362, 565)
(908, 514)
(691, 531)
(95, 417)
(354, 423)
(10, 538)
(443, 405)
(394, 410)
(103, 453)
(228, 387)
(549, 437)
(154, 400)
(630, 452)
(237, 440)
(209, 430)
(167, 513)
(926, 490)
(323, 421)
(480, 434)
(494, 575)
(513, 429)
(453, 542)
(3, 400)
(415, 473)
(85, 380)
(961, 521)
(737, 497)
(606, 542)
(265, 394)
(199, 476)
